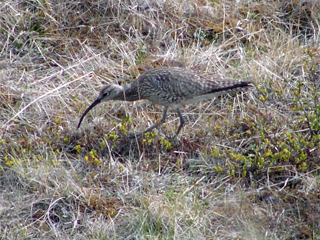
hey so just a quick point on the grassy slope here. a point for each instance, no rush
(245, 166)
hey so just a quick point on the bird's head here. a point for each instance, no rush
(109, 92)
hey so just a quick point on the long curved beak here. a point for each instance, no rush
(96, 102)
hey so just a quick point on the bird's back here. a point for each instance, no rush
(173, 87)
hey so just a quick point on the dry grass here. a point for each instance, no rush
(246, 166)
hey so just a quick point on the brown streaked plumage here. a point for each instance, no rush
(171, 87)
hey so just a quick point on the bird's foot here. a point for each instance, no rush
(136, 136)
(173, 139)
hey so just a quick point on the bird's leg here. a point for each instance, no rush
(182, 121)
(163, 119)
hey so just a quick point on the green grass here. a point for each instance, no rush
(245, 165)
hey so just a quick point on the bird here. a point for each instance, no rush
(171, 87)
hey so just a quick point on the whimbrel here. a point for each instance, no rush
(171, 87)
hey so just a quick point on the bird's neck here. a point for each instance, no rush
(129, 92)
